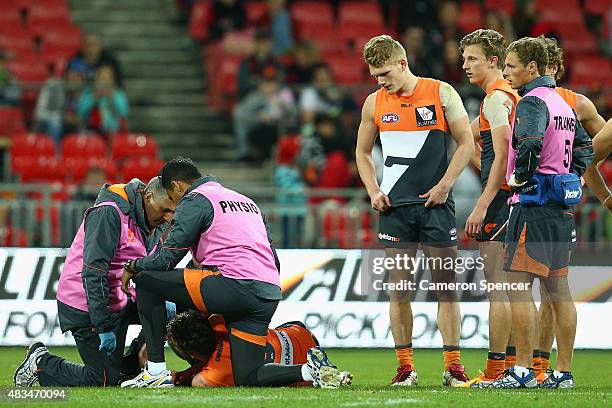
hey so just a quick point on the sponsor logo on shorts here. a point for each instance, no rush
(573, 235)
(426, 116)
(286, 348)
(490, 227)
(390, 118)
(453, 233)
(388, 237)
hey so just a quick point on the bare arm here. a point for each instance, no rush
(588, 116)
(461, 132)
(602, 145)
(366, 136)
(475, 159)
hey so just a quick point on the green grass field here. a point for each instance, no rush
(373, 370)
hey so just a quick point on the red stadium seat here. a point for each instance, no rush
(19, 42)
(542, 5)
(40, 169)
(600, 7)
(67, 36)
(199, 19)
(29, 69)
(10, 15)
(470, 16)
(507, 7)
(143, 168)
(577, 39)
(312, 13)
(32, 144)
(79, 166)
(78, 145)
(133, 145)
(326, 40)
(347, 69)
(589, 71)
(360, 13)
(255, 11)
(48, 14)
(11, 121)
(559, 16)
(55, 60)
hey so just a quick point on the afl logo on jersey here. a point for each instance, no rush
(390, 118)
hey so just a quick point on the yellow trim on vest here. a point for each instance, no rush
(119, 189)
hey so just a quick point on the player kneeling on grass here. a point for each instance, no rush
(204, 343)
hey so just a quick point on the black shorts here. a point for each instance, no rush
(414, 223)
(539, 240)
(240, 307)
(496, 219)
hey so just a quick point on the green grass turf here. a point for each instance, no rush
(373, 370)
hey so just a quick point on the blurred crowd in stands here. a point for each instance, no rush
(291, 75)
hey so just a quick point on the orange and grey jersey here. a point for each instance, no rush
(494, 103)
(413, 130)
(568, 96)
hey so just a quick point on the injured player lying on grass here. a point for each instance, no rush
(204, 343)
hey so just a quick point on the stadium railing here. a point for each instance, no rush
(30, 216)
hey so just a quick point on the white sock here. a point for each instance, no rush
(521, 371)
(306, 376)
(156, 368)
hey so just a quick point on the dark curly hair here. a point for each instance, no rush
(191, 332)
(555, 55)
(179, 169)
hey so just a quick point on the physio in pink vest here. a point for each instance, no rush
(125, 222)
(234, 272)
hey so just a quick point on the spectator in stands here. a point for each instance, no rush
(291, 197)
(446, 28)
(252, 67)
(410, 13)
(227, 15)
(278, 20)
(453, 73)
(56, 105)
(103, 107)
(304, 61)
(261, 113)
(421, 64)
(525, 17)
(325, 156)
(495, 20)
(90, 186)
(323, 96)
(93, 55)
(10, 91)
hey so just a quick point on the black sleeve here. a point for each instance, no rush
(102, 236)
(193, 215)
(582, 150)
(529, 128)
(276, 260)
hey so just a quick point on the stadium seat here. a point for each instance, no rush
(200, 19)
(133, 145)
(507, 7)
(11, 121)
(542, 5)
(591, 70)
(78, 145)
(560, 16)
(42, 14)
(143, 168)
(68, 37)
(600, 7)
(326, 40)
(577, 39)
(19, 42)
(10, 15)
(470, 16)
(40, 169)
(29, 69)
(79, 166)
(55, 60)
(32, 144)
(255, 11)
(361, 13)
(312, 13)
(347, 69)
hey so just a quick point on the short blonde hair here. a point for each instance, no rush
(382, 49)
